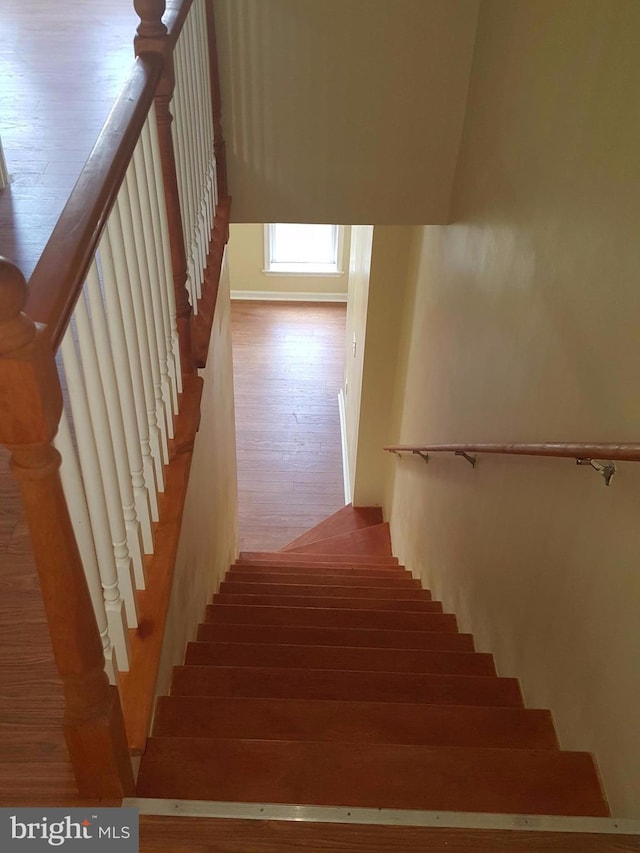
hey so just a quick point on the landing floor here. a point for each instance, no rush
(288, 369)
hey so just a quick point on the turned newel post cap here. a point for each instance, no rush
(16, 329)
(150, 13)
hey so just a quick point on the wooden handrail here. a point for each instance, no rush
(619, 452)
(59, 275)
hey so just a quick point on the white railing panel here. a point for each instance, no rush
(115, 421)
(96, 502)
(81, 522)
(131, 404)
(99, 424)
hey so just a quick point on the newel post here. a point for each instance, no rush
(152, 37)
(30, 408)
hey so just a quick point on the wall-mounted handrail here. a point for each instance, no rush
(584, 454)
(620, 452)
(59, 276)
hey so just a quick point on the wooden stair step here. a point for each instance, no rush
(330, 617)
(335, 569)
(372, 775)
(366, 637)
(345, 520)
(289, 556)
(195, 834)
(354, 722)
(352, 685)
(374, 540)
(338, 657)
(271, 576)
(352, 603)
(410, 593)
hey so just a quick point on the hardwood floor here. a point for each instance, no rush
(60, 70)
(288, 368)
(61, 66)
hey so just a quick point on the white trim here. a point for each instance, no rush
(344, 445)
(287, 296)
(384, 817)
(303, 274)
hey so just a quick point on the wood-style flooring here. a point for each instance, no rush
(61, 67)
(288, 369)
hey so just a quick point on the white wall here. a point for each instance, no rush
(248, 280)
(343, 110)
(522, 325)
(355, 334)
(209, 536)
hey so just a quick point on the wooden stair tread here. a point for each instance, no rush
(345, 520)
(322, 569)
(219, 835)
(289, 556)
(297, 635)
(353, 685)
(349, 722)
(372, 775)
(374, 540)
(299, 576)
(330, 617)
(338, 657)
(339, 590)
(344, 602)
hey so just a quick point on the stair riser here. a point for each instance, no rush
(330, 618)
(386, 776)
(356, 686)
(210, 632)
(354, 722)
(324, 591)
(338, 658)
(315, 601)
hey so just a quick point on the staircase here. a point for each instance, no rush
(324, 674)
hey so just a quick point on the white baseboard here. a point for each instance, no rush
(286, 296)
(345, 452)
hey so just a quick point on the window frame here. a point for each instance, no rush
(302, 269)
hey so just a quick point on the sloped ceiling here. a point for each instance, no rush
(343, 110)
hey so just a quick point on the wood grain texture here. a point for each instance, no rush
(288, 369)
(61, 70)
(207, 835)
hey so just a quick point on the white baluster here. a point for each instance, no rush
(151, 289)
(96, 503)
(99, 416)
(196, 116)
(114, 421)
(164, 281)
(129, 375)
(165, 242)
(79, 514)
(163, 411)
(127, 281)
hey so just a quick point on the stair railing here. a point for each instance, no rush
(95, 358)
(601, 457)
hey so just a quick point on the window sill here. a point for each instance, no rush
(304, 273)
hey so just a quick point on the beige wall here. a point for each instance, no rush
(355, 333)
(522, 325)
(208, 541)
(381, 341)
(343, 110)
(246, 264)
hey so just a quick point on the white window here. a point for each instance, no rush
(302, 249)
